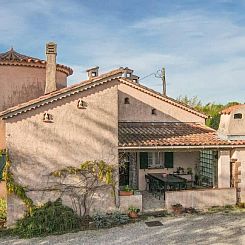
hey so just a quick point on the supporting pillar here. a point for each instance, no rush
(224, 169)
(133, 174)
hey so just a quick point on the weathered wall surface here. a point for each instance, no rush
(141, 105)
(76, 135)
(181, 159)
(21, 84)
(239, 154)
(130, 201)
(224, 169)
(201, 198)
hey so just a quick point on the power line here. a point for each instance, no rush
(159, 74)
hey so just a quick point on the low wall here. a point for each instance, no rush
(201, 198)
(130, 201)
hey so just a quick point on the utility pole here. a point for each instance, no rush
(161, 74)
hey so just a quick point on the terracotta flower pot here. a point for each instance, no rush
(133, 215)
(125, 193)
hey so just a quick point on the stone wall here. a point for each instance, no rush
(76, 135)
(201, 198)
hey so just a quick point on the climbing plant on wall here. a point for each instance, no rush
(81, 183)
(14, 187)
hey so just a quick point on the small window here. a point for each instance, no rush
(153, 111)
(126, 100)
(48, 118)
(128, 75)
(238, 116)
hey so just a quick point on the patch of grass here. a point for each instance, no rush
(226, 209)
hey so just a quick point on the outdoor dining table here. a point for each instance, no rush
(168, 179)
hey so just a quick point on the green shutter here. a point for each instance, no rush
(169, 160)
(2, 165)
(143, 160)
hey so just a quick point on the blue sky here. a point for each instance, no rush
(200, 43)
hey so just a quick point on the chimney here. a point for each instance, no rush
(128, 73)
(51, 52)
(93, 72)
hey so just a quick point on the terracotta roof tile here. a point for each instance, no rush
(140, 134)
(11, 57)
(230, 109)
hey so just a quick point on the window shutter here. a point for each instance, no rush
(143, 160)
(169, 160)
(2, 164)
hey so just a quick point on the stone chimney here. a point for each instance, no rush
(93, 72)
(51, 52)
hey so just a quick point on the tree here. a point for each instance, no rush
(210, 109)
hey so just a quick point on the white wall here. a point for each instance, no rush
(181, 159)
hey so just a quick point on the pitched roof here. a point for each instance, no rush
(232, 108)
(11, 57)
(169, 134)
(62, 93)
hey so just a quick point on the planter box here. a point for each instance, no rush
(126, 193)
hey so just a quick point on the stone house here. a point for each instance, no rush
(112, 117)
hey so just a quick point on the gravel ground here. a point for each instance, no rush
(195, 229)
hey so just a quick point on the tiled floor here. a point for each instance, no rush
(151, 203)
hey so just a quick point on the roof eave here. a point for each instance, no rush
(202, 147)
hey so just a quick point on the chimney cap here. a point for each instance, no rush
(51, 48)
(93, 68)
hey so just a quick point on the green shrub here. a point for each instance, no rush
(241, 205)
(110, 220)
(51, 218)
(3, 209)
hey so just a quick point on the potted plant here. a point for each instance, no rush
(177, 208)
(133, 212)
(126, 191)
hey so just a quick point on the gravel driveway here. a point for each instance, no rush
(195, 229)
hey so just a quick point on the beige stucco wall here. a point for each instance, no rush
(20, 84)
(181, 159)
(130, 201)
(224, 170)
(76, 135)
(141, 105)
(230, 126)
(201, 198)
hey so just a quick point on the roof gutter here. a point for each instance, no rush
(179, 147)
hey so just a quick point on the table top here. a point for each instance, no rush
(168, 178)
